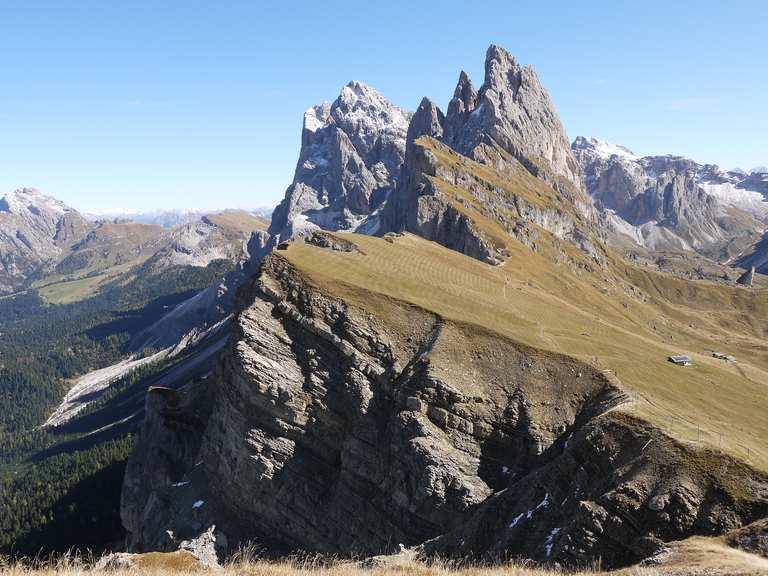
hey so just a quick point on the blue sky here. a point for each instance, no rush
(148, 104)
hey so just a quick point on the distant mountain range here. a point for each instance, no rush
(674, 203)
(164, 218)
(40, 236)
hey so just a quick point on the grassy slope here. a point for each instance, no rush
(589, 316)
(111, 250)
(116, 248)
(239, 221)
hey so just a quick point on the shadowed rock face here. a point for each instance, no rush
(609, 492)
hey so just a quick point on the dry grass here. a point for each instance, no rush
(590, 316)
(239, 221)
(697, 556)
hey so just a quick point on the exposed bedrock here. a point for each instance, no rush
(614, 492)
(341, 431)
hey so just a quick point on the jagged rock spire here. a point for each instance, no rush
(461, 105)
(427, 121)
(513, 110)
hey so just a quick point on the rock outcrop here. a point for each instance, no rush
(671, 202)
(747, 278)
(351, 154)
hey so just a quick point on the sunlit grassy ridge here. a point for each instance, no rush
(596, 317)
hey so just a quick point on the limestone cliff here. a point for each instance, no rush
(350, 158)
(345, 428)
(671, 202)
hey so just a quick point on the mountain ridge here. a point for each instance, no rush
(459, 354)
(673, 203)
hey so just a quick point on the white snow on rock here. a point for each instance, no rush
(364, 111)
(29, 199)
(198, 504)
(728, 194)
(605, 149)
(517, 519)
(549, 542)
(316, 117)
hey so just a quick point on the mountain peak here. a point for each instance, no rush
(465, 91)
(427, 121)
(24, 200)
(350, 159)
(356, 93)
(514, 111)
(601, 148)
(499, 64)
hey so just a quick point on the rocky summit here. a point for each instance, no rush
(511, 109)
(673, 203)
(438, 347)
(350, 159)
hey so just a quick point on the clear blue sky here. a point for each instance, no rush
(160, 104)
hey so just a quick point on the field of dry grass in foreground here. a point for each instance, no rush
(698, 556)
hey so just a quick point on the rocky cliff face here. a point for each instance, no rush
(513, 110)
(670, 202)
(350, 159)
(496, 145)
(353, 422)
(334, 430)
(35, 230)
(340, 431)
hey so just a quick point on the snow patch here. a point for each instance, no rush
(517, 519)
(604, 149)
(315, 117)
(728, 194)
(543, 504)
(549, 542)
